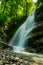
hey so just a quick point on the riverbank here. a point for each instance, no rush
(8, 57)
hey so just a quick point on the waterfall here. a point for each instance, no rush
(19, 38)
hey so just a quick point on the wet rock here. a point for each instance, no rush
(16, 59)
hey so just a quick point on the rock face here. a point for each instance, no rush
(36, 39)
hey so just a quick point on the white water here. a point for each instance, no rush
(19, 39)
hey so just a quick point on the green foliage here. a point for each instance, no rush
(39, 3)
(12, 12)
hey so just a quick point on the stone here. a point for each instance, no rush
(16, 59)
(1, 63)
(26, 62)
(20, 60)
(13, 64)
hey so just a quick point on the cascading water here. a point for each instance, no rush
(19, 39)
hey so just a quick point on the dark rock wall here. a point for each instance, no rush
(36, 39)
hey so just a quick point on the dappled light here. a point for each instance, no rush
(0, 2)
(20, 11)
(35, 1)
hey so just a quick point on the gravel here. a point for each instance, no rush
(8, 57)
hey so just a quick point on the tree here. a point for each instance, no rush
(11, 13)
